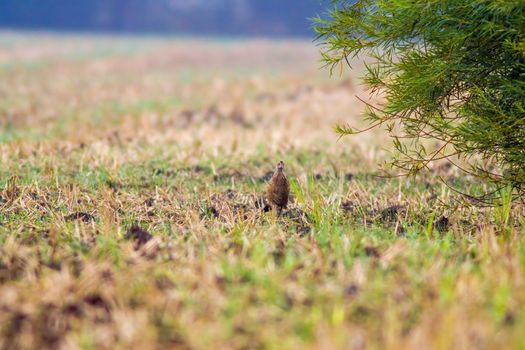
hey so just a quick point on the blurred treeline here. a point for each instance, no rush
(218, 17)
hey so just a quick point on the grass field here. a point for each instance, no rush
(177, 138)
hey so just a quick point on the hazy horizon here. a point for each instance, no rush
(219, 18)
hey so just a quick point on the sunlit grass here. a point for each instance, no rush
(357, 261)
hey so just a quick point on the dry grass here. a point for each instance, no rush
(131, 215)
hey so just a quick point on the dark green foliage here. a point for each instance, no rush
(450, 70)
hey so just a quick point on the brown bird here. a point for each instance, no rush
(278, 189)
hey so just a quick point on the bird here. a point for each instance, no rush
(278, 190)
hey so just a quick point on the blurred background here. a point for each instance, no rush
(85, 70)
(187, 17)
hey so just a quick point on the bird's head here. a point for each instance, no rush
(280, 166)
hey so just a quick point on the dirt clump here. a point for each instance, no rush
(139, 235)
